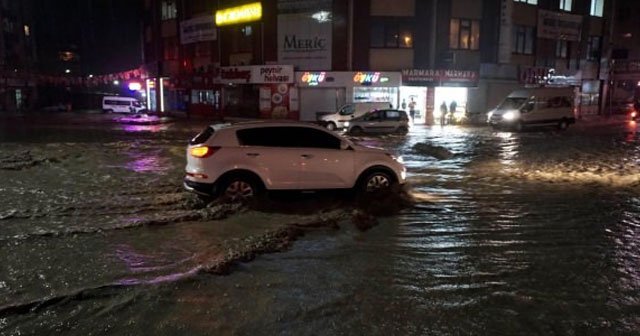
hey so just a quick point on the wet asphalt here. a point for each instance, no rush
(506, 233)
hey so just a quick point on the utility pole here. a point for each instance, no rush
(607, 90)
(433, 34)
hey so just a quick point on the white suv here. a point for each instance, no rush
(239, 161)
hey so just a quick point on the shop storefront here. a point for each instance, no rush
(326, 91)
(203, 96)
(436, 96)
(626, 84)
(259, 91)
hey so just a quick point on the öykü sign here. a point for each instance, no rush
(198, 30)
(304, 41)
(258, 74)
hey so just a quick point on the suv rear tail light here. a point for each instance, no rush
(202, 151)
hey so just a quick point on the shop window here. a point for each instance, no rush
(376, 95)
(561, 49)
(597, 8)
(391, 34)
(464, 34)
(530, 2)
(202, 97)
(566, 5)
(594, 48)
(523, 39)
(169, 10)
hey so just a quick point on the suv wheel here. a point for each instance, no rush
(376, 181)
(331, 126)
(239, 188)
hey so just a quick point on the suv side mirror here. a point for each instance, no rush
(345, 145)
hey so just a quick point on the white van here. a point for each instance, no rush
(534, 107)
(121, 105)
(349, 111)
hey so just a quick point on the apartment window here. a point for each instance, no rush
(597, 8)
(624, 14)
(523, 39)
(561, 48)
(169, 10)
(594, 48)
(530, 2)
(464, 34)
(171, 48)
(27, 30)
(391, 34)
(565, 5)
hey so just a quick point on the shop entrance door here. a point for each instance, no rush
(414, 97)
(320, 100)
(455, 97)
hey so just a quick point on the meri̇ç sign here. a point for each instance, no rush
(257, 74)
(439, 77)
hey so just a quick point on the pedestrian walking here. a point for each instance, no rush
(412, 109)
(443, 113)
(404, 104)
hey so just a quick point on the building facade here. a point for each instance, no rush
(17, 55)
(298, 58)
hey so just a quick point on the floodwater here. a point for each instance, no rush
(530, 233)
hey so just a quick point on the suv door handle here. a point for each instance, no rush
(306, 156)
(253, 154)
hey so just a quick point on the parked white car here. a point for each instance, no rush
(348, 112)
(116, 104)
(241, 160)
(381, 121)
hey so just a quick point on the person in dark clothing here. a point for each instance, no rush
(443, 113)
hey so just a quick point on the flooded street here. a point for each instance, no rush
(507, 233)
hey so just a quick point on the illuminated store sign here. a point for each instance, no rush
(240, 14)
(369, 78)
(313, 78)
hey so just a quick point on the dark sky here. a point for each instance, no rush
(104, 33)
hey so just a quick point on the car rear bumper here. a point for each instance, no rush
(205, 189)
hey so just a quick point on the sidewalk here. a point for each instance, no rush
(602, 120)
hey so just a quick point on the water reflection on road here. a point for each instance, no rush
(530, 233)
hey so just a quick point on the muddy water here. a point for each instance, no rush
(532, 233)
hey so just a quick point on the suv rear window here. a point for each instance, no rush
(202, 137)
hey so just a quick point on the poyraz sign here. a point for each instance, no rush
(258, 74)
(198, 30)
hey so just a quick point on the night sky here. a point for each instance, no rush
(104, 33)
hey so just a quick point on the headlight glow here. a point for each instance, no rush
(509, 116)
